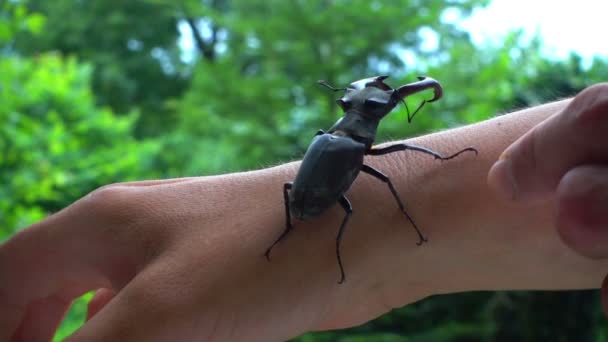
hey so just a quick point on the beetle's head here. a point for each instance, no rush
(372, 97)
(369, 101)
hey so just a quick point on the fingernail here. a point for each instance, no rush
(501, 179)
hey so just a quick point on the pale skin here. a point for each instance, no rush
(183, 259)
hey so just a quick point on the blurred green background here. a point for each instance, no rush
(95, 92)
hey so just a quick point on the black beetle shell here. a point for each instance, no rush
(328, 169)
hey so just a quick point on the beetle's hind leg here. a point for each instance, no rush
(345, 203)
(288, 226)
(381, 176)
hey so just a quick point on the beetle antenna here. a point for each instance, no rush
(325, 84)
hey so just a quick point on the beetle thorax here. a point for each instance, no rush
(357, 126)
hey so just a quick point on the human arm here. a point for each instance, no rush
(186, 256)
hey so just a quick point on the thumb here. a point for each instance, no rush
(531, 168)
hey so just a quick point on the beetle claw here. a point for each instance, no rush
(421, 241)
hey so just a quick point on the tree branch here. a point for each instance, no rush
(207, 50)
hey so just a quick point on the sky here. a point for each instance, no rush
(580, 26)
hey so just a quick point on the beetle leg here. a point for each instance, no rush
(381, 176)
(345, 203)
(288, 226)
(403, 147)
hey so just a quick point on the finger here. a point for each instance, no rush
(11, 316)
(99, 301)
(582, 208)
(36, 265)
(115, 321)
(65, 255)
(42, 319)
(158, 315)
(531, 167)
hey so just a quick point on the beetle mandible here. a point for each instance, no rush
(335, 158)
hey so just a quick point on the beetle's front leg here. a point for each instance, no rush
(288, 226)
(403, 147)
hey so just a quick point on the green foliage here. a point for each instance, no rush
(132, 44)
(56, 144)
(75, 317)
(262, 57)
(15, 18)
(94, 92)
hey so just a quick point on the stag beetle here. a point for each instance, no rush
(335, 158)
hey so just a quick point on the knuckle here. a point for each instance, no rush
(591, 106)
(599, 89)
(125, 215)
(114, 202)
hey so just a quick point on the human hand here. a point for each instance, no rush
(182, 260)
(565, 159)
